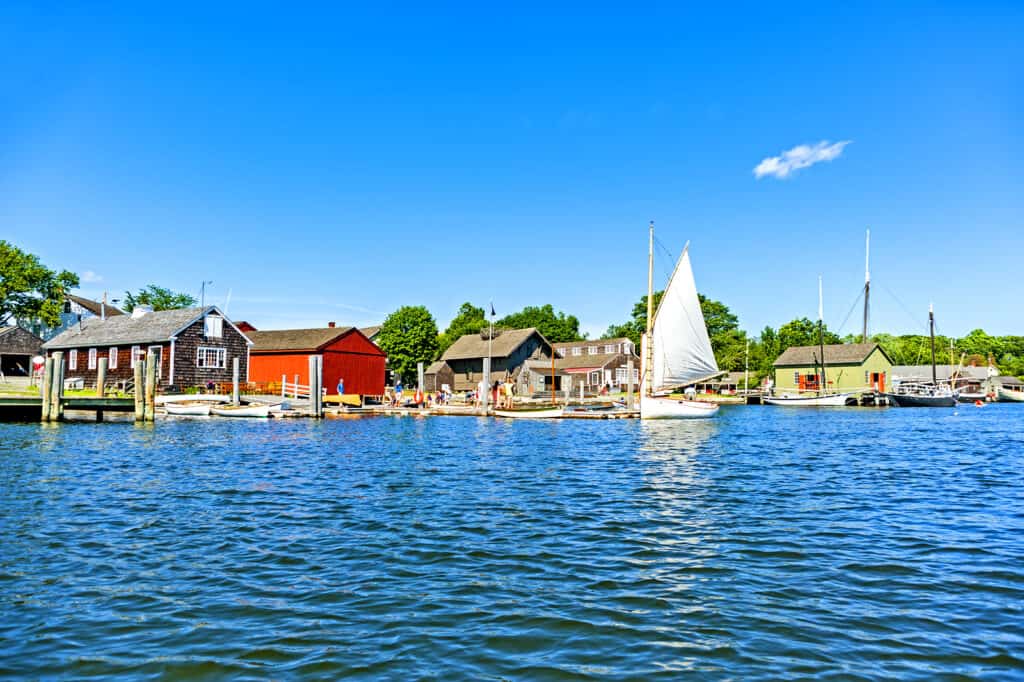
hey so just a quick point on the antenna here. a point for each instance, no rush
(202, 292)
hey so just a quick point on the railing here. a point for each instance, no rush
(293, 388)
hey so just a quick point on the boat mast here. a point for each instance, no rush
(649, 360)
(931, 332)
(821, 338)
(867, 284)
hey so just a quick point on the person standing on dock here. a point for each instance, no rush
(341, 386)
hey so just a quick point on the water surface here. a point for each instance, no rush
(767, 543)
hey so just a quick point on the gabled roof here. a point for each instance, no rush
(155, 327)
(592, 342)
(95, 307)
(504, 343)
(835, 354)
(942, 372)
(371, 331)
(296, 339)
(436, 367)
(15, 340)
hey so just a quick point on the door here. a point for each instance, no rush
(158, 351)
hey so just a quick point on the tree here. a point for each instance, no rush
(556, 327)
(408, 336)
(469, 320)
(803, 332)
(29, 290)
(159, 298)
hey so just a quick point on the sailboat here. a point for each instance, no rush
(918, 394)
(677, 350)
(823, 399)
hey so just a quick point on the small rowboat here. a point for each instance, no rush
(546, 412)
(241, 411)
(188, 409)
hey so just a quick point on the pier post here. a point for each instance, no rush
(284, 382)
(486, 397)
(56, 386)
(47, 388)
(316, 382)
(101, 376)
(629, 384)
(140, 390)
(150, 407)
(234, 381)
(296, 387)
(419, 377)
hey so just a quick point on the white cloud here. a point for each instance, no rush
(90, 277)
(798, 157)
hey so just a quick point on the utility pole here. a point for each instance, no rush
(202, 293)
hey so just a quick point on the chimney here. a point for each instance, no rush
(330, 325)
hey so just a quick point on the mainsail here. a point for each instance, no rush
(682, 349)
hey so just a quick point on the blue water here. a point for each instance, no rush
(765, 544)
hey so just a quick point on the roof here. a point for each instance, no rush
(371, 331)
(95, 307)
(942, 372)
(296, 339)
(1009, 381)
(592, 342)
(725, 378)
(436, 367)
(154, 327)
(19, 341)
(835, 354)
(502, 345)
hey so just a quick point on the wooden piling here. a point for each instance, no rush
(486, 397)
(629, 383)
(140, 391)
(47, 389)
(150, 411)
(234, 381)
(56, 386)
(101, 377)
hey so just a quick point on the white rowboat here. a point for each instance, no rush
(670, 408)
(242, 411)
(188, 409)
(834, 400)
(528, 413)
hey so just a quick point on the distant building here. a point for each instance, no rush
(347, 354)
(371, 332)
(849, 367)
(76, 309)
(510, 349)
(17, 347)
(726, 383)
(193, 346)
(593, 363)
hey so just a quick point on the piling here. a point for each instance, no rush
(56, 386)
(419, 377)
(629, 384)
(47, 388)
(234, 381)
(101, 377)
(316, 382)
(150, 407)
(140, 391)
(486, 397)
(284, 383)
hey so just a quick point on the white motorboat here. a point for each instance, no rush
(1008, 395)
(241, 410)
(546, 412)
(677, 350)
(198, 409)
(789, 400)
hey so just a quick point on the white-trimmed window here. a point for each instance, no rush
(112, 358)
(622, 375)
(92, 358)
(211, 358)
(592, 350)
(576, 350)
(138, 355)
(609, 348)
(560, 352)
(73, 358)
(214, 328)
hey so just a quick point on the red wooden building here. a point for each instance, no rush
(347, 353)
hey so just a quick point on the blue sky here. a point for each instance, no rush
(335, 163)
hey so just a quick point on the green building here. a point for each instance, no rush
(848, 367)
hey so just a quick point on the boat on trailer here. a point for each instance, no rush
(677, 350)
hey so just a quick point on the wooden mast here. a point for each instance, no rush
(867, 284)
(649, 355)
(931, 333)
(821, 339)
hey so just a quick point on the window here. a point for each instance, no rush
(73, 359)
(592, 350)
(577, 350)
(214, 326)
(609, 348)
(112, 360)
(92, 358)
(211, 358)
(138, 355)
(560, 352)
(158, 351)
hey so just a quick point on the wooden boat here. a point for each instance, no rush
(1008, 395)
(917, 394)
(971, 396)
(539, 412)
(197, 409)
(677, 350)
(194, 398)
(241, 410)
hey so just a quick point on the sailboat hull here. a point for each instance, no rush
(667, 408)
(835, 400)
(902, 400)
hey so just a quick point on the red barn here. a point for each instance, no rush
(347, 353)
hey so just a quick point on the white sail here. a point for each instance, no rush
(682, 349)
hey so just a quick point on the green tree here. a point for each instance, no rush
(469, 320)
(29, 290)
(556, 327)
(803, 332)
(159, 298)
(408, 336)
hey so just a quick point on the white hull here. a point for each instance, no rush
(1007, 396)
(547, 413)
(179, 410)
(835, 400)
(669, 408)
(246, 411)
(197, 398)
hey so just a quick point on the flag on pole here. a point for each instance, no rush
(492, 309)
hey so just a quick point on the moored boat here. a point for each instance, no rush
(196, 409)
(787, 400)
(917, 394)
(1008, 395)
(241, 410)
(545, 412)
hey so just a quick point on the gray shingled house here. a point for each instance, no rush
(463, 362)
(193, 346)
(17, 346)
